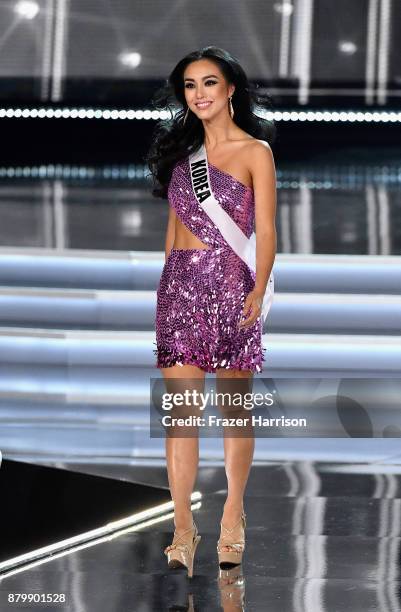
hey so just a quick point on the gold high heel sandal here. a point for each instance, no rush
(233, 538)
(180, 554)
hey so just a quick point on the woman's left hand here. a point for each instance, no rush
(252, 309)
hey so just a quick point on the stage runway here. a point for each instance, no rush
(318, 535)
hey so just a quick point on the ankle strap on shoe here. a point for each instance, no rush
(236, 525)
(176, 539)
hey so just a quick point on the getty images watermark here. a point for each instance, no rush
(282, 407)
(230, 407)
(200, 401)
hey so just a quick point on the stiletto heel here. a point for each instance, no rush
(180, 554)
(232, 538)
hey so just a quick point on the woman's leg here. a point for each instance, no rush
(182, 444)
(239, 445)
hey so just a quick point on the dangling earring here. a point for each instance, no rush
(231, 107)
(185, 116)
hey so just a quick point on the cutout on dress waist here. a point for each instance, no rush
(199, 244)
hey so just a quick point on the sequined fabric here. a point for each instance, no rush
(201, 292)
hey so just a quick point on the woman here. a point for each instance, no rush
(209, 300)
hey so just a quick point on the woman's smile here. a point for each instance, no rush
(202, 105)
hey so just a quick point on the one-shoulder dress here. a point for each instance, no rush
(201, 292)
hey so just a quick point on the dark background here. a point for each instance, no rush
(117, 53)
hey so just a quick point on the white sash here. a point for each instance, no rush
(244, 247)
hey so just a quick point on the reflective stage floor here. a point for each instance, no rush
(319, 538)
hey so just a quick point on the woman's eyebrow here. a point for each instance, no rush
(205, 77)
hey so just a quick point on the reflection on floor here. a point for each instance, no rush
(319, 538)
(344, 204)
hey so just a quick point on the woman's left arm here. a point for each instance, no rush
(263, 172)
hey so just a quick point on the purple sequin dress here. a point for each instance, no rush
(201, 292)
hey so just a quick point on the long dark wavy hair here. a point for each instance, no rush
(173, 140)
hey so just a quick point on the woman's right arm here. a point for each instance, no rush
(170, 233)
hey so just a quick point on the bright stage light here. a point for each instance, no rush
(130, 59)
(362, 116)
(27, 9)
(347, 47)
(285, 8)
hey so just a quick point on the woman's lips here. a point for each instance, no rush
(203, 105)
